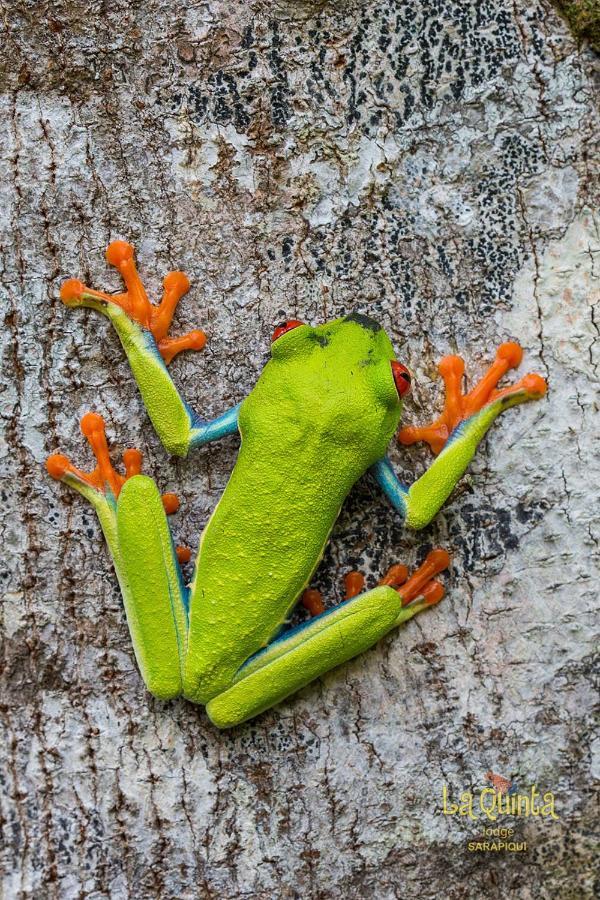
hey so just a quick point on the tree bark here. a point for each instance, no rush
(430, 164)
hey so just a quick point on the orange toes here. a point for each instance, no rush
(535, 385)
(439, 560)
(118, 252)
(434, 435)
(135, 303)
(395, 576)
(104, 475)
(421, 583)
(72, 289)
(170, 347)
(132, 460)
(408, 435)
(196, 339)
(511, 353)
(435, 562)
(104, 478)
(451, 365)
(184, 554)
(170, 503)
(177, 282)
(313, 601)
(91, 423)
(432, 593)
(57, 466)
(354, 582)
(458, 406)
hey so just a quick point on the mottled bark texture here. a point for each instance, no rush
(430, 163)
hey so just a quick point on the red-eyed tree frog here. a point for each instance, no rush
(321, 414)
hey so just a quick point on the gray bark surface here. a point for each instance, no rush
(431, 164)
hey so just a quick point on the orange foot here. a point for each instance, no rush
(134, 301)
(459, 406)
(421, 583)
(104, 478)
(312, 599)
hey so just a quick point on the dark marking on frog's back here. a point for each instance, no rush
(363, 321)
(370, 360)
(320, 339)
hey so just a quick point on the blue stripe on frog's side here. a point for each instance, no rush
(184, 591)
(284, 634)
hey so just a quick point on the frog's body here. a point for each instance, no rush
(321, 414)
(324, 409)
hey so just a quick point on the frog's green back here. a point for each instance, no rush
(322, 411)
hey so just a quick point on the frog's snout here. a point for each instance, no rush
(363, 321)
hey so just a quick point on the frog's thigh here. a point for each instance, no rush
(301, 655)
(153, 592)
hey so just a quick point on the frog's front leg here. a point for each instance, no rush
(143, 330)
(132, 517)
(331, 638)
(457, 433)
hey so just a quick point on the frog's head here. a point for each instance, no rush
(340, 379)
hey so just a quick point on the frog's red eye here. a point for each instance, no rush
(401, 378)
(285, 327)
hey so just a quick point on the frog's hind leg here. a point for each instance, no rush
(420, 584)
(329, 639)
(154, 594)
(133, 519)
